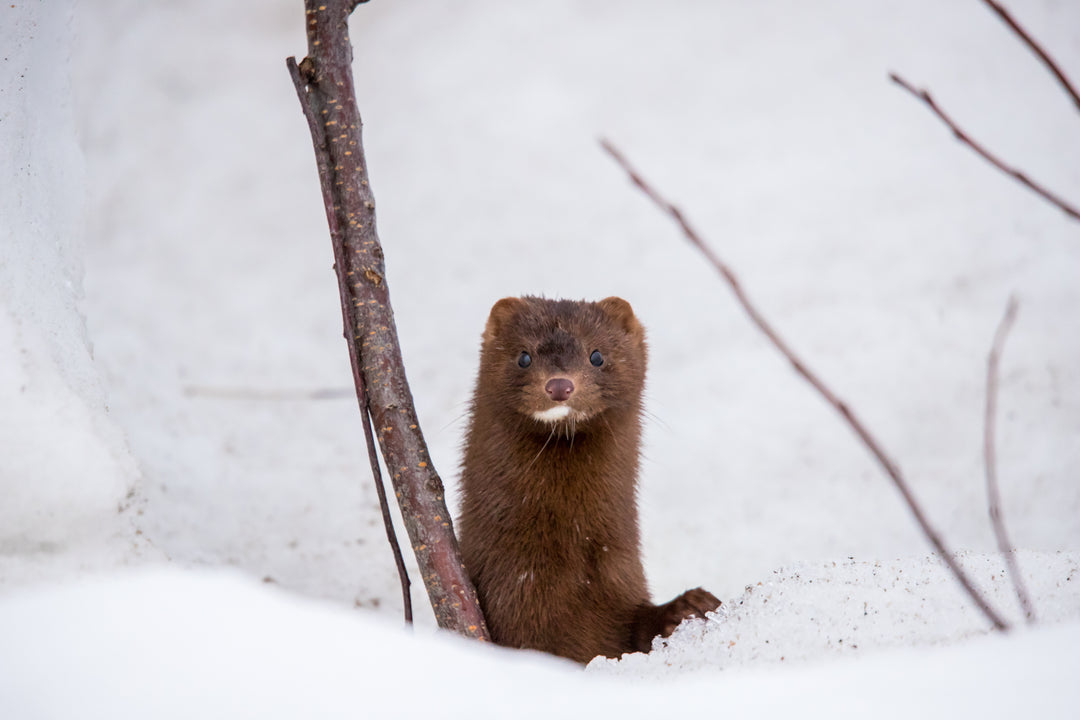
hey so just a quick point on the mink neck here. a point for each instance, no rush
(595, 466)
(563, 489)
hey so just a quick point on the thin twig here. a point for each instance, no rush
(322, 160)
(994, 497)
(840, 406)
(1052, 66)
(963, 137)
(242, 393)
(384, 506)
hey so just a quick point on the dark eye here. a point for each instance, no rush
(596, 358)
(524, 360)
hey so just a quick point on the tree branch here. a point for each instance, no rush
(800, 367)
(1037, 49)
(963, 137)
(324, 85)
(994, 497)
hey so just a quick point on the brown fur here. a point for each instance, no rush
(549, 528)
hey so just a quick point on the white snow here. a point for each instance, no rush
(174, 390)
(64, 467)
(848, 607)
(166, 644)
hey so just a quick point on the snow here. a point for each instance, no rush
(167, 644)
(174, 393)
(813, 611)
(64, 467)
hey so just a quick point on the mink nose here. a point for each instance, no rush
(559, 389)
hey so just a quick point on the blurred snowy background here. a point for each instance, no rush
(169, 322)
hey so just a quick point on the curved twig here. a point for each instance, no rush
(994, 160)
(890, 468)
(990, 457)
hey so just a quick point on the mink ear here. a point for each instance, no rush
(501, 313)
(620, 310)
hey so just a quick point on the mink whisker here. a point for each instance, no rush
(454, 421)
(659, 421)
(538, 454)
(608, 426)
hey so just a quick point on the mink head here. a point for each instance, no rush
(550, 362)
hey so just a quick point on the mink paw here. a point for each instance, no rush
(653, 621)
(691, 604)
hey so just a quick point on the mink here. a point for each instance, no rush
(549, 523)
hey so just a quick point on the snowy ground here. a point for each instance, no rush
(278, 656)
(168, 323)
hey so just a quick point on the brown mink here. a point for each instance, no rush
(549, 523)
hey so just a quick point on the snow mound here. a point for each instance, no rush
(812, 611)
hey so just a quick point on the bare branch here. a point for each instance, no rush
(324, 85)
(963, 137)
(994, 497)
(1052, 66)
(840, 406)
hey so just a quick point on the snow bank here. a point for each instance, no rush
(818, 611)
(65, 475)
(171, 645)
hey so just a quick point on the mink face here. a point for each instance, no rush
(560, 363)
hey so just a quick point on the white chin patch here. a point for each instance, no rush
(553, 414)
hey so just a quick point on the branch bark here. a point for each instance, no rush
(890, 468)
(962, 136)
(324, 85)
(990, 457)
